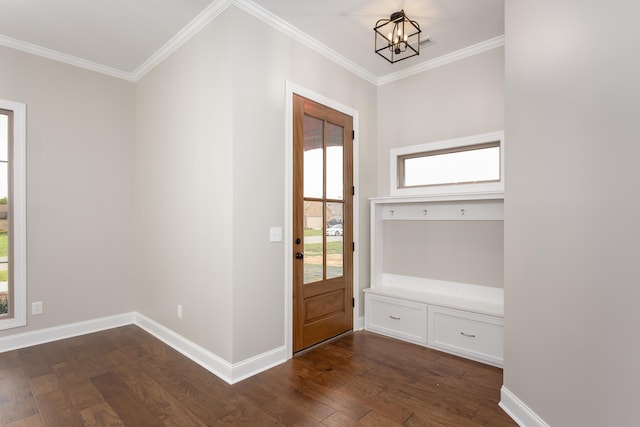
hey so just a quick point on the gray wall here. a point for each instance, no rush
(457, 251)
(572, 300)
(260, 72)
(463, 98)
(571, 239)
(184, 193)
(460, 99)
(182, 174)
(80, 132)
(210, 181)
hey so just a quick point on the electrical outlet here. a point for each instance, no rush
(179, 312)
(36, 307)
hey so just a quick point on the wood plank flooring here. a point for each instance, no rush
(126, 377)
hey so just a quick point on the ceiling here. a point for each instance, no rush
(124, 37)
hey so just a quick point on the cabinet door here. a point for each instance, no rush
(397, 318)
(471, 335)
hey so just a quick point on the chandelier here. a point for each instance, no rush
(397, 38)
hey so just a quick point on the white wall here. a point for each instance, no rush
(80, 132)
(572, 307)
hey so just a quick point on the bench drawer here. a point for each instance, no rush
(472, 335)
(397, 318)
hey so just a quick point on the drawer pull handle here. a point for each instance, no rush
(394, 318)
(467, 335)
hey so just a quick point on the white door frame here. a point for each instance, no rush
(290, 89)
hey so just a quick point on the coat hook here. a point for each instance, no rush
(424, 212)
(461, 211)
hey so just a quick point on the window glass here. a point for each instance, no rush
(471, 164)
(313, 243)
(335, 150)
(4, 216)
(462, 166)
(335, 240)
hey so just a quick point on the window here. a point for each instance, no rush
(465, 165)
(12, 215)
(6, 121)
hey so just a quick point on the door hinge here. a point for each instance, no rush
(353, 190)
(353, 302)
(353, 135)
(353, 246)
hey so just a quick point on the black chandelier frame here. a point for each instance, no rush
(397, 38)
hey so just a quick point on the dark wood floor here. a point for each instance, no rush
(124, 376)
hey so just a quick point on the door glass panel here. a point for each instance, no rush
(313, 157)
(335, 240)
(335, 149)
(313, 242)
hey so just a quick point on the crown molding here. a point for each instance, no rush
(192, 28)
(260, 13)
(64, 58)
(274, 21)
(281, 25)
(444, 60)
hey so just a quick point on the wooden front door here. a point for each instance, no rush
(322, 223)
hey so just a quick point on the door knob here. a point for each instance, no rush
(299, 255)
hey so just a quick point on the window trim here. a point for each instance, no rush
(19, 217)
(398, 155)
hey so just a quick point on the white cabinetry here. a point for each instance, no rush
(467, 334)
(460, 318)
(396, 317)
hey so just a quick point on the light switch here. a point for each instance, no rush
(275, 234)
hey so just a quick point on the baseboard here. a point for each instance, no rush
(360, 325)
(231, 373)
(41, 336)
(517, 410)
(254, 365)
(208, 360)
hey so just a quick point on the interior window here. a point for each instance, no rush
(461, 165)
(457, 166)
